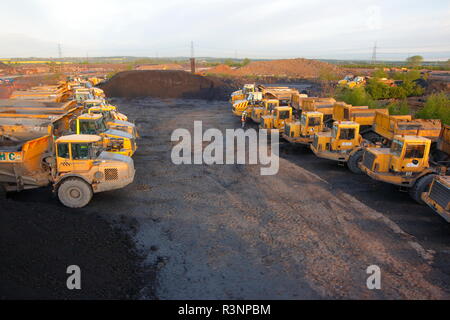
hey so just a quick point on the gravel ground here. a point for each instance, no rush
(225, 231)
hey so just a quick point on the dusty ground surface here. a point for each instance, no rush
(224, 231)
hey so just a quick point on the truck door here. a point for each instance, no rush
(80, 156)
(63, 160)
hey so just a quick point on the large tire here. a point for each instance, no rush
(74, 193)
(354, 160)
(421, 185)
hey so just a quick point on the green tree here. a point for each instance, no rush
(414, 61)
(410, 75)
(379, 73)
(399, 107)
(437, 106)
(355, 97)
(245, 62)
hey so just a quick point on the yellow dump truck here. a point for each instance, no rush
(302, 131)
(265, 108)
(102, 104)
(343, 144)
(112, 122)
(276, 119)
(74, 165)
(438, 196)
(54, 96)
(241, 94)
(408, 162)
(323, 105)
(252, 99)
(113, 140)
(12, 106)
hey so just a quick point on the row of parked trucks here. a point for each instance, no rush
(413, 154)
(66, 136)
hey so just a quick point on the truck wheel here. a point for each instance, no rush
(353, 161)
(74, 193)
(421, 185)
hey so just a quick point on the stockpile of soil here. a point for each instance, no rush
(298, 68)
(221, 69)
(167, 84)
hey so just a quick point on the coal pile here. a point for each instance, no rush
(167, 84)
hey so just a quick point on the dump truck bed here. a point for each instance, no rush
(21, 164)
(388, 126)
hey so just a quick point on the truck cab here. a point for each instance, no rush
(101, 104)
(241, 94)
(303, 131)
(266, 107)
(113, 123)
(408, 155)
(337, 143)
(276, 119)
(252, 99)
(114, 140)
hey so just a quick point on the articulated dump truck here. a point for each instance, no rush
(116, 141)
(346, 141)
(75, 165)
(256, 98)
(408, 162)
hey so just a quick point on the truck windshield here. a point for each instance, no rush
(284, 115)
(314, 121)
(414, 151)
(81, 151)
(347, 134)
(396, 148)
(88, 127)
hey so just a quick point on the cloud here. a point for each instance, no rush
(270, 29)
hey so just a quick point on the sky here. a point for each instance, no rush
(326, 29)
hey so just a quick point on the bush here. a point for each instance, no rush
(355, 97)
(400, 107)
(379, 73)
(437, 106)
(406, 76)
(412, 88)
(377, 89)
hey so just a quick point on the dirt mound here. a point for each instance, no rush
(221, 69)
(299, 68)
(166, 84)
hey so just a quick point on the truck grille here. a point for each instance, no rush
(368, 159)
(440, 194)
(111, 174)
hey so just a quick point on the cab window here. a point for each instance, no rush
(80, 151)
(303, 120)
(347, 134)
(396, 148)
(88, 127)
(63, 150)
(284, 114)
(414, 151)
(314, 121)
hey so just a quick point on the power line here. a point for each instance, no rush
(374, 53)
